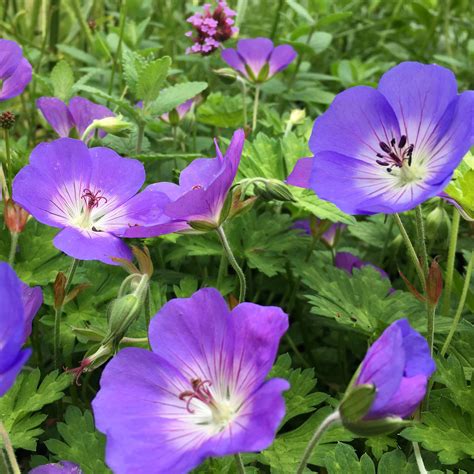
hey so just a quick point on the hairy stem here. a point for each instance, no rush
(313, 442)
(239, 464)
(462, 301)
(7, 444)
(233, 262)
(255, 107)
(419, 459)
(13, 246)
(420, 226)
(58, 313)
(453, 240)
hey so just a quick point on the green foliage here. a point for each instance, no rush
(343, 459)
(20, 407)
(173, 96)
(361, 302)
(62, 80)
(449, 432)
(81, 443)
(151, 78)
(284, 454)
(300, 398)
(220, 110)
(396, 462)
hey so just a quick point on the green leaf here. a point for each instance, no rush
(284, 455)
(151, 79)
(395, 462)
(361, 301)
(19, 407)
(450, 372)
(81, 444)
(173, 96)
(221, 111)
(448, 431)
(461, 187)
(62, 79)
(343, 459)
(133, 65)
(380, 444)
(300, 398)
(274, 159)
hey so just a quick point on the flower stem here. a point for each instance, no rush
(140, 134)
(420, 227)
(255, 108)
(453, 240)
(239, 464)
(233, 262)
(462, 301)
(13, 246)
(7, 444)
(313, 442)
(116, 57)
(419, 459)
(58, 313)
(244, 99)
(411, 251)
(8, 158)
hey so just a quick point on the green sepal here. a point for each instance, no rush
(250, 74)
(226, 208)
(263, 74)
(382, 426)
(202, 226)
(357, 402)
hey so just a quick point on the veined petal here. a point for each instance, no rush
(383, 366)
(410, 393)
(301, 174)
(57, 114)
(32, 299)
(16, 83)
(11, 317)
(116, 178)
(355, 124)
(8, 376)
(255, 52)
(10, 57)
(89, 245)
(419, 94)
(280, 58)
(51, 186)
(234, 60)
(84, 112)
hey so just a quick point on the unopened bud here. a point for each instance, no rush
(173, 117)
(438, 223)
(227, 75)
(114, 125)
(297, 116)
(92, 24)
(7, 120)
(240, 205)
(15, 216)
(274, 189)
(434, 283)
(59, 289)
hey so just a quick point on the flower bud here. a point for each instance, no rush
(227, 75)
(114, 125)
(15, 216)
(297, 116)
(438, 223)
(273, 189)
(434, 283)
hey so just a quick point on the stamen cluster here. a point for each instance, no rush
(212, 28)
(395, 155)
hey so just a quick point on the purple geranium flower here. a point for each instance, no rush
(203, 391)
(19, 304)
(79, 114)
(89, 193)
(389, 149)
(399, 365)
(180, 111)
(15, 70)
(62, 467)
(257, 59)
(200, 196)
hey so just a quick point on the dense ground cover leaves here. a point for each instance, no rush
(130, 56)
